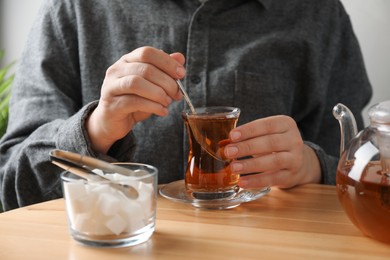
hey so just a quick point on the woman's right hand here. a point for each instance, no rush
(139, 84)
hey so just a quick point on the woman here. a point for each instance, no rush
(98, 77)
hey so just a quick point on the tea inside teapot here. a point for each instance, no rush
(363, 173)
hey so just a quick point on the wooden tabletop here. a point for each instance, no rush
(302, 223)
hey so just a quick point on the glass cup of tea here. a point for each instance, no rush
(115, 212)
(208, 175)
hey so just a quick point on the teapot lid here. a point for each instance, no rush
(379, 115)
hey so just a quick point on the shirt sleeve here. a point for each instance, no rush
(347, 82)
(47, 111)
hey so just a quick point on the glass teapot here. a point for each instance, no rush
(363, 172)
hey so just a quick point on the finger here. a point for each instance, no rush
(152, 74)
(273, 134)
(260, 145)
(136, 85)
(158, 58)
(266, 163)
(145, 106)
(261, 127)
(128, 104)
(178, 57)
(181, 59)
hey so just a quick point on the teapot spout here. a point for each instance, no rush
(348, 128)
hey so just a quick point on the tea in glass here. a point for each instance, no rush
(208, 174)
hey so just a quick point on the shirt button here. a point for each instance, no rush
(195, 79)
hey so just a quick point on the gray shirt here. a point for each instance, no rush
(291, 57)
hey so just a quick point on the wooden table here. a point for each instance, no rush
(306, 222)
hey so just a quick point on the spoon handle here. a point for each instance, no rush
(81, 172)
(186, 97)
(87, 162)
(85, 167)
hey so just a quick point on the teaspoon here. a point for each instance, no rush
(186, 97)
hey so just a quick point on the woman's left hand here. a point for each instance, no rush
(274, 149)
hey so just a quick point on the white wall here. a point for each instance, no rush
(371, 21)
(15, 21)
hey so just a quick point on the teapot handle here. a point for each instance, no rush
(348, 128)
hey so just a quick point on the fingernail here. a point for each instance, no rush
(181, 72)
(231, 151)
(169, 100)
(166, 111)
(179, 95)
(236, 167)
(235, 135)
